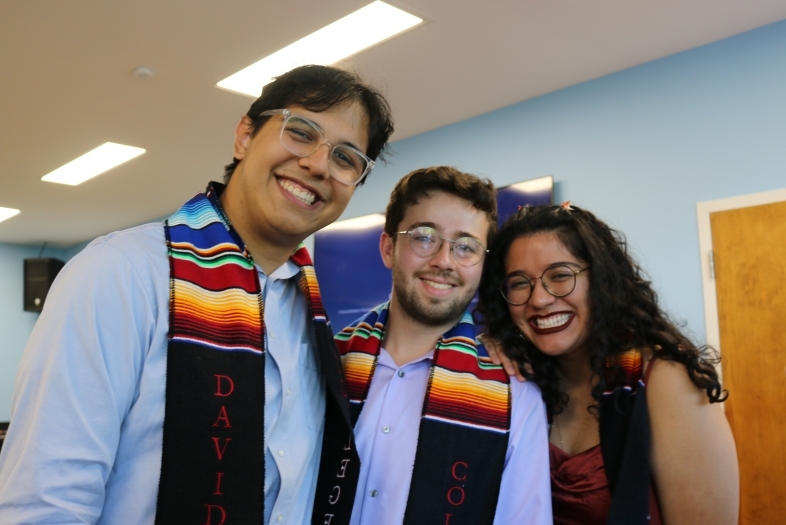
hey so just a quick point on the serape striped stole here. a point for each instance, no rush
(464, 429)
(213, 459)
(625, 439)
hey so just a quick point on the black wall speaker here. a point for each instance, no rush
(39, 276)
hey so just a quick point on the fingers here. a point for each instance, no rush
(492, 347)
(498, 357)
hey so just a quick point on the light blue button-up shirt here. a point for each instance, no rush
(387, 438)
(84, 445)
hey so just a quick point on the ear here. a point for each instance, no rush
(242, 137)
(386, 248)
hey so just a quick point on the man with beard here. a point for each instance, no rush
(444, 436)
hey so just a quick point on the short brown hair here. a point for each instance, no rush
(480, 193)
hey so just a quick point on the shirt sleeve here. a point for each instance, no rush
(525, 494)
(77, 380)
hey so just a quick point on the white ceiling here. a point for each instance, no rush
(67, 82)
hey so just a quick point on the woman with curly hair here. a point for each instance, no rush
(637, 432)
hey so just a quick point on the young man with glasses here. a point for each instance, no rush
(185, 372)
(444, 436)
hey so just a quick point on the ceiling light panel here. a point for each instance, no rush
(358, 223)
(96, 162)
(345, 37)
(7, 213)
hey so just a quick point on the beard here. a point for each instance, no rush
(430, 312)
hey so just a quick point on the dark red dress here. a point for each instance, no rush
(580, 492)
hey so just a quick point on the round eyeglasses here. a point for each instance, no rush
(425, 241)
(558, 280)
(303, 138)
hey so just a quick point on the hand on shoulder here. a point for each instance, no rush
(499, 357)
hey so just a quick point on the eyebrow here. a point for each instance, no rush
(343, 143)
(434, 225)
(549, 267)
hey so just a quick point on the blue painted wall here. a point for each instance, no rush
(640, 148)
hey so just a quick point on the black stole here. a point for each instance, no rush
(625, 440)
(465, 427)
(213, 458)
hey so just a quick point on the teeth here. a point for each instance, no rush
(438, 286)
(551, 322)
(301, 193)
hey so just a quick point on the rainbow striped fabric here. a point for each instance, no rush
(465, 387)
(624, 371)
(215, 299)
(216, 371)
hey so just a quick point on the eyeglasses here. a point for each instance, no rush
(425, 241)
(559, 281)
(303, 138)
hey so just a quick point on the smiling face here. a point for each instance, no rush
(557, 326)
(434, 290)
(276, 198)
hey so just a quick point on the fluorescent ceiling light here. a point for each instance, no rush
(358, 223)
(96, 162)
(7, 213)
(353, 33)
(535, 185)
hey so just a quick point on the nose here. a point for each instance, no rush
(540, 297)
(317, 162)
(443, 258)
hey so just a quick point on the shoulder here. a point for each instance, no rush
(120, 260)
(141, 247)
(669, 382)
(137, 244)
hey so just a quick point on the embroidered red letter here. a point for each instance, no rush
(452, 496)
(453, 471)
(231, 385)
(447, 519)
(219, 449)
(218, 484)
(210, 511)
(222, 416)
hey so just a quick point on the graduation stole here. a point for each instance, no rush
(625, 439)
(464, 429)
(213, 458)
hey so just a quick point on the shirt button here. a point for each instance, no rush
(280, 518)
(386, 429)
(288, 391)
(374, 493)
(401, 373)
(270, 335)
(281, 453)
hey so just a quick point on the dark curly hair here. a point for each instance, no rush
(319, 88)
(624, 311)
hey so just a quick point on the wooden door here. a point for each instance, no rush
(749, 246)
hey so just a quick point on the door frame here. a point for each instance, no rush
(703, 211)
